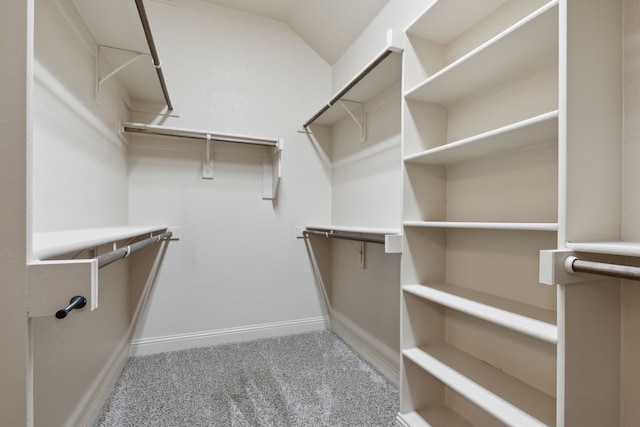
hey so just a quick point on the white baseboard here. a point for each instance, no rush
(90, 408)
(153, 345)
(379, 355)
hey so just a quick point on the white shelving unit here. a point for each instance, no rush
(505, 114)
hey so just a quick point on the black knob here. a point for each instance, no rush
(76, 302)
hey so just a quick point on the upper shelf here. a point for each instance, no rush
(493, 61)
(382, 71)
(54, 243)
(126, 50)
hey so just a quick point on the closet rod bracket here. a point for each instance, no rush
(362, 122)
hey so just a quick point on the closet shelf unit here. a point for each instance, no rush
(511, 110)
(480, 201)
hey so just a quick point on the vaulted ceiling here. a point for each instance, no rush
(328, 26)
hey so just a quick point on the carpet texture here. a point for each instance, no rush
(312, 379)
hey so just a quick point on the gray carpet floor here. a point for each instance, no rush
(312, 379)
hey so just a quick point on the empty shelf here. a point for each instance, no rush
(439, 416)
(503, 396)
(522, 226)
(533, 321)
(609, 248)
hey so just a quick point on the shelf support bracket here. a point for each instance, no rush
(361, 123)
(207, 162)
(101, 80)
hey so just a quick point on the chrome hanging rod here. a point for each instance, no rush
(125, 251)
(332, 235)
(154, 53)
(196, 134)
(575, 265)
(349, 86)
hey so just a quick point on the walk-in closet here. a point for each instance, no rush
(368, 213)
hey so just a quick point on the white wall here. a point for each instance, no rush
(396, 15)
(237, 271)
(630, 322)
(16, 38)
(78, 180)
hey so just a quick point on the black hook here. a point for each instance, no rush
(76, 302)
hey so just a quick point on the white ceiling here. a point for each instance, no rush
(328, 26)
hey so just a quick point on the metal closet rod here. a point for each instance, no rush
(154, 53)
(575, 265)
(194, 134)
(332, 235)
(349, 86)
(125, 251)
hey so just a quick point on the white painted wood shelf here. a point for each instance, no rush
(621, 248)
(521, 226)
(56, 243)
(495, 60)
(381, 72)
(392, 236)
(438, 416)
(506, 398)
(533, 321)
(520, 135)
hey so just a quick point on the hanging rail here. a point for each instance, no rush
(125, 251)
(575, 265)
(80, 301)
(332, 235)
(154, 53)
(197, 134)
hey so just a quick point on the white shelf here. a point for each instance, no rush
(54, 243)
(376, 76)
(608, 248)
(443, 21)
(523, 318)
(526, 133)
(516, 226)
(438, 416)
(356, 229)
(503, 396)
(494, 61)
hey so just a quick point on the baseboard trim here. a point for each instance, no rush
(401, 422)
(371, 350)
(153, 345)
(90, 408)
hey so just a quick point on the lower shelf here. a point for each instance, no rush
(497, 393)
(435, 417)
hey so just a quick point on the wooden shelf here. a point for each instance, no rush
(494, 61)
(380, 73)
(519, 226)
(441, 415)
(607, 248)
(356, 229)
(524, 318)
(524, 134)
(54, 243)
(503, 396)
